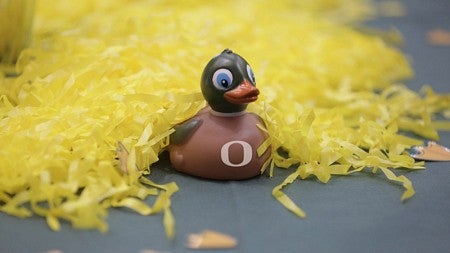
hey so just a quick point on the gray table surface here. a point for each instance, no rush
(359, 213)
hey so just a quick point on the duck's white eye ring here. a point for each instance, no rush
(222, 79)
(250, 74)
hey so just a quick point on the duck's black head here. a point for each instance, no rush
(228, 83)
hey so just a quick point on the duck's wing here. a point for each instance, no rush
(184, 130)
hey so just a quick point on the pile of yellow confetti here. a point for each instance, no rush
(102, 71)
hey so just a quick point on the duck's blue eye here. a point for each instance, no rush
(250, 74)
(222, 79)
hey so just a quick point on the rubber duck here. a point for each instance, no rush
(220, 142)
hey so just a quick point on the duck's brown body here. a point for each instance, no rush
(222, 147)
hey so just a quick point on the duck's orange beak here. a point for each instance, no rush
(245, 93)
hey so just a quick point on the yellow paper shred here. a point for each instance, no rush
(284, 199)
(102, 72)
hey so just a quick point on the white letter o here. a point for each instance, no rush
(225, 156)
